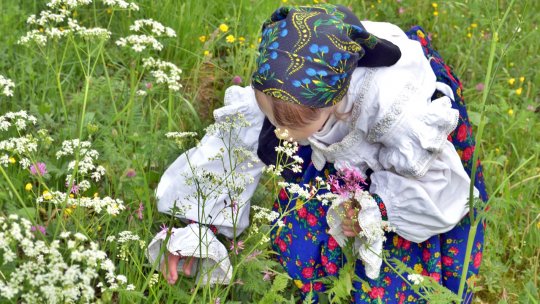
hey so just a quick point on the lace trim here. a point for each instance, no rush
(426, 157)
(382, 126)
(322, 153)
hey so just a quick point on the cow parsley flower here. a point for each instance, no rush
(164, 72)
(121, 4)
(6, 86)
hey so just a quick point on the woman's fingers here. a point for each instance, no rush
(188, 264)
(173, 266)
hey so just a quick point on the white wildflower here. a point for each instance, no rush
(155, 27)
(6, 86)
(121, 4)
(416, 279)
(164, 72)
(139, 42)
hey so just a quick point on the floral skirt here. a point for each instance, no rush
(308, 252)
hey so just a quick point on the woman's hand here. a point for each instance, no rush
(350, 225)
(170, 273)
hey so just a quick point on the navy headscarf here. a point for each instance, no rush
(308, 53)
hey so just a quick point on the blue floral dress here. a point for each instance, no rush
(308, 252)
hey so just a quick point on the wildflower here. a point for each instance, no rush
(519, 91)
(511, 81)
(435, 5)
(131, 173)
(253, 255)
(202, 38)
(521, 79)
(241, 40)
(206, 53)
(38, 228)
(120, 4)
(416, 279)
(140, 210)
(47, 195)
(164, 227)
(38, 169)
(480, 87)
(237, 80)
(6, 86)
(164, 72)
(237, 248)
(469, 35)
(223, 27)
(401, 10)
(230, 39)
(474, 25)
(155, 27)
(141, 93)
(510, 112)
(531, 108)
(28, 187)
(12, 160)
(435, 13)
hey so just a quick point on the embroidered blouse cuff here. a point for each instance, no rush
(368, 244)
(196, 241)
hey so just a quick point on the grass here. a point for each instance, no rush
(128, 130)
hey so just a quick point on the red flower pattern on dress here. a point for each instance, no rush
(467, 153)
(477, 259)
(447, 261)
(376, 292)
(283, 194)
(331, 268)
(462, 133)
(426, 255)
(312, 220)
(302, 212)
(307, 272)
(332, 244)
(436, 276)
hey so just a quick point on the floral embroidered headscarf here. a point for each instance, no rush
(308, 53)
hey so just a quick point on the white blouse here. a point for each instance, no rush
(394, 129)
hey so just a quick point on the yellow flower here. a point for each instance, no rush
(28, 187)
(469, 35)
(241, 40)
(206, 53)
(521, 79)
(47, 195)
(538, 225)
(511, 81)
(519, 91)
(230, 39)
(12, 160)
(315, 1)
(435, 13)
(299, 204)
(223, 27)
(68, 211)
(109, 11)
(510, 112)
(418, 268)
(474, 25)
(497, 150)
(284, 1)
(435, 5)
(96, 194)
(365, 287)
(71, 195)
(202, 38)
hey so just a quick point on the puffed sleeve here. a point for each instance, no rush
(211, 206)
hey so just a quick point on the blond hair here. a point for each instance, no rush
(287, 114)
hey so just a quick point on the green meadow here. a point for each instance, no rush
(95, 90)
